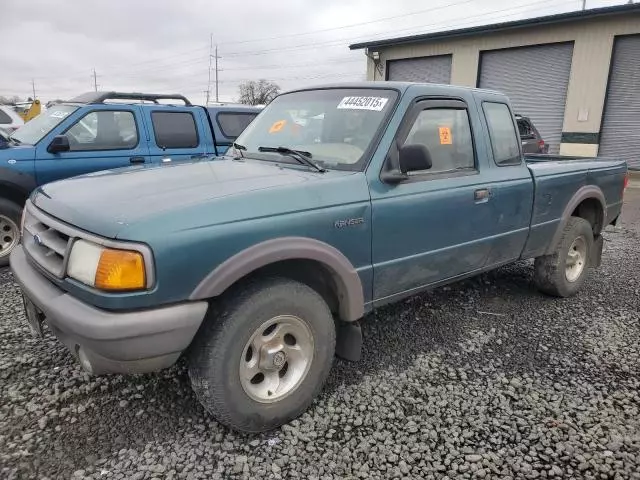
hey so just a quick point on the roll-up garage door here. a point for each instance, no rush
(621, 124)
(536, 80)
(425, 70)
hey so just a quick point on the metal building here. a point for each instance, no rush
(576, 75)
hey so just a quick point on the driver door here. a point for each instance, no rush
(102, 139)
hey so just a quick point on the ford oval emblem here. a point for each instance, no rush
(11, 162)
(37, 240)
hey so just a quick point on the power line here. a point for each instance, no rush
(341, 41)
(312, 32)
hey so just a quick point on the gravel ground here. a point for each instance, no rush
(484, 379)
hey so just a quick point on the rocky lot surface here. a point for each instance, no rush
(484, 379)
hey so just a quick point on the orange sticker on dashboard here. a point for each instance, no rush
(445, 136)
(277, 126)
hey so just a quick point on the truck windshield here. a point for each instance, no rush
(33, 131)
(337, 126)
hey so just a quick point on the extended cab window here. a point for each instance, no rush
(233, 124)
(175, 129)
(446, 133)
(104, 130)
(504, 141)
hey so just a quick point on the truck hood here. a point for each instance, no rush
(108, 202)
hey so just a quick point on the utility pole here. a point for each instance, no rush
(217, 57)
(210, 58)
(95, 80)
(33, 86)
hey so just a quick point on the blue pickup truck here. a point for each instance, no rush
(105, 130)
(259, 265)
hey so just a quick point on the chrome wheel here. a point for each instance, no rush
(276, 359)
(576, 259)
(9, 235)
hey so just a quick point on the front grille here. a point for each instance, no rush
(46, 241)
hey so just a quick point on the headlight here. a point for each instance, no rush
(106, 268)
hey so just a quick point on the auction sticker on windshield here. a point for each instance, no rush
(363, 103)
(59, 114)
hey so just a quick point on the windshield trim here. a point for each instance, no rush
(367, 156)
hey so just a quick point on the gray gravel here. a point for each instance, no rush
(485, 379)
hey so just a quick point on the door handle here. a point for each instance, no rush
(135, 160)
(199, 155)
(482, 195)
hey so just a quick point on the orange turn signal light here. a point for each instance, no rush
(120, 270)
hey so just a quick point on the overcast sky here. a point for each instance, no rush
(163, 45)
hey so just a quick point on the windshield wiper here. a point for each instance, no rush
(14, 140)
(300, 155)
(240, 148)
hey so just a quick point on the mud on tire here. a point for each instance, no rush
(554, 274)
(238, 332)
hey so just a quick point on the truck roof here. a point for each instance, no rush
(400, 86)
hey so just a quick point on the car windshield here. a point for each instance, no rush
(33, 131)
(336, 126)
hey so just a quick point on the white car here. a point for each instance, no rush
(9, 119)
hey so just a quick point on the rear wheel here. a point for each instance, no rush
(263, 354)
(10, 214)
(564, 272)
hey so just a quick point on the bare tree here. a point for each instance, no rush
(258, 93)
(9, 100)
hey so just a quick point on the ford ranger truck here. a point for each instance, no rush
(106, 130)
(257, 267)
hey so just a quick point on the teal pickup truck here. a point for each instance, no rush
(258, 265)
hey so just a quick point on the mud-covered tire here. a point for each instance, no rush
(222, 345)
(10, 214)
(551, 271)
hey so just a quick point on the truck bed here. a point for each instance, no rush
(557, 179)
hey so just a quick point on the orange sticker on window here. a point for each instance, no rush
(445, 136)
(277, 126)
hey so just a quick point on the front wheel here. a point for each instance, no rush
(564, 272)
(10, 214)
(263, 354)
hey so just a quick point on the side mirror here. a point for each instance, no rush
(60, 143)
(413, 158)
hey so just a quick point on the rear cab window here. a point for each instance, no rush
(502, 133)
(175, 130)
(232, 124)
(524, 128)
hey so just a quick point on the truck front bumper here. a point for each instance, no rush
(107, 342)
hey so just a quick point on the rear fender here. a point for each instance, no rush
(584, 193)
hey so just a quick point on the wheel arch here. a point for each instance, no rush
(298, 256)
(587, 203)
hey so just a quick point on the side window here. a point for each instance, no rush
(524, 129)
(446, 132)
(175, 129)
(233, 124)
(4, 118)
(504, 141)
(104, 130)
